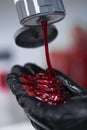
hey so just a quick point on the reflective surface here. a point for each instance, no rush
(32, 12)
(32, 37)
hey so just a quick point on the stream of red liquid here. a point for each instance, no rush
(44, 28)
(45, 86)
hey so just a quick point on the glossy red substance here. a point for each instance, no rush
(45, 87)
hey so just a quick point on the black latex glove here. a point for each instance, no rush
(71, 115)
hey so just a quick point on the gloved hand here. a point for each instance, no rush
(71, 115)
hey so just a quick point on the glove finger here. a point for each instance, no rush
(33, 68)
(50, 116)
(19, 70)
(15, 85)
(74, 87)
(13, 79)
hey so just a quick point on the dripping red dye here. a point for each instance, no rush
(44, 28)
(45, 86)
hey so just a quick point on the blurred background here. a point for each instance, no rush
(68, 53)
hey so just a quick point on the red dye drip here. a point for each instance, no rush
(45, 87)
(44, 28)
